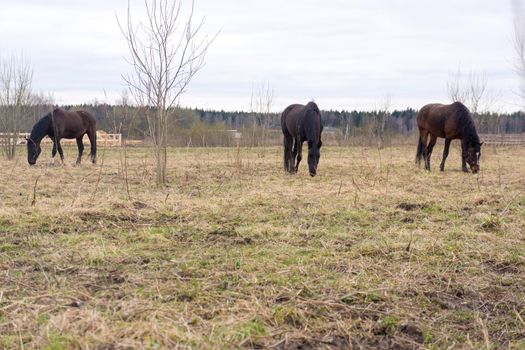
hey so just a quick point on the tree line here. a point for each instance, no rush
(132, 123)
(354, 122)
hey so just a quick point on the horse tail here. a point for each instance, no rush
(287, 140)
(420, 148)
(420, 120)
(92, 135)
(288, 144)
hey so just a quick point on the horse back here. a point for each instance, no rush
(439, 120)
(73, 124)
(290, 118)
(303, 122)
(88, 119)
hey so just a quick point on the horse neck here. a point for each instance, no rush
(470, 134)
(473, 138)
(312, 127)
(41, 129)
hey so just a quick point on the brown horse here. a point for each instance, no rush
(450, 122)
(60, 124)
(301, 123)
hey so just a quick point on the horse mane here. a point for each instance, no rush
(312, 106)
(312, 116)
(40, 128)
(466, 122)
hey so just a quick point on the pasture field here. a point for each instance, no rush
(234, 253)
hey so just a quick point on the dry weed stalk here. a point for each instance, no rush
(99, 175)
(33, 200)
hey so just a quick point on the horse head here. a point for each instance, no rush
(314, 128)
(314, 153)
(33, 151)
(473, 155)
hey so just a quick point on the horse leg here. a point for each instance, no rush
(294, 156)
(54, 151)
(464, 157)
(445, 154)
(60, 151)
(80, 145)
(299, 154)
(430, 147)
(92, 135)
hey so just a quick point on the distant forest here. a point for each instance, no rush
(207, 127)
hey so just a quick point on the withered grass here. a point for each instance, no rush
(234, 253)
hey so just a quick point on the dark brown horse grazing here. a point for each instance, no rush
(301, 123)
(60, 124)
(450, 122)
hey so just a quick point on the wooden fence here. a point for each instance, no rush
(103, 139)
(503, 139)
(115, 140)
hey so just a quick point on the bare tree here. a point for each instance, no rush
(15, 96)
(260, 107)
(470, 90)
(122, 117)
(383, 114)
(347, 119)
(519, 42)
(477, 90)
(167, 50)
(41, 104)
(455, 88)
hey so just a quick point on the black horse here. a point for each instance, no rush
(301, 123)
(450, 122)
(60, 124)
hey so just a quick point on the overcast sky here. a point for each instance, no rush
(342, 53)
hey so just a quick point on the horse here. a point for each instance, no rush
(60, 124)
(301, 123)
(453, 121)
